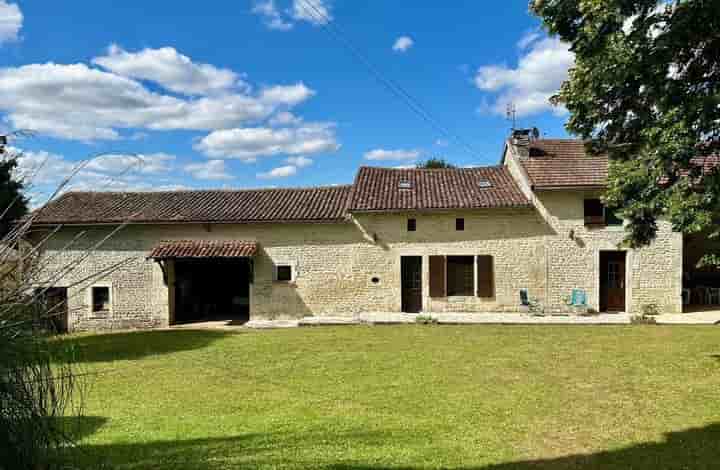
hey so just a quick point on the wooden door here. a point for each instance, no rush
(57, 308)
(411, 276)
(612, 282)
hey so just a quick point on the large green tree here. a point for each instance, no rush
(645, 88)
(435, 163)
(13, 203)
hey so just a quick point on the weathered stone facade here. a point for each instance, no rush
(653, 273)
(351, 267)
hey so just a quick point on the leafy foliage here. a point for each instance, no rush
(435, 163)
(645, 88)
(13, 203)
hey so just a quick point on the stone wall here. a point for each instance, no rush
(334, 265)
(653, 273)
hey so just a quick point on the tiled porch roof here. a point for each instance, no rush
(204, 249)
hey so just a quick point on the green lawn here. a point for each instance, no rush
(406, 397)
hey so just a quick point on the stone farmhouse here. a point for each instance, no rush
(480, 239)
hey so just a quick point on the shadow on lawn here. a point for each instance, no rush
(697, 448)
(248, 451)
(136, 345)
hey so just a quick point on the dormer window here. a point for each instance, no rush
(404, 184)
(484, 184)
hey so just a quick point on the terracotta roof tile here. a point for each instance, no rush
(321, 204)
(204, 249)
(380, 189)
(564, 163)
(558, 163)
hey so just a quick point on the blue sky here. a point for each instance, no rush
(258, 93)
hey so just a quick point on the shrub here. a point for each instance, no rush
(426, 320)
(642, 320)
(650, 310)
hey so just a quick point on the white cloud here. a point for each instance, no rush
(271, 16)
(169, 68)
(300, 162)
(11, 19)
(83, 103)
(44, 172)
(251, 142)
(382, 154)
(210, 170)
(403, 43)
(316, 12)
(527, 39)
(279, 172)
(285, 118)
(289, 95)
(154, 163)
(538, 75)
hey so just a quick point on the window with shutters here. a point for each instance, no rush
(460, 275)
(597, 214)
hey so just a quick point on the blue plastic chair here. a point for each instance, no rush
(578, 298)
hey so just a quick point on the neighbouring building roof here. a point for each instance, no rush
(563, 163)
(321, 204)
(204, 249)
(386, 189)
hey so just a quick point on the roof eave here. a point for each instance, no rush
(569, 187)
(528, 205)
(341, 220)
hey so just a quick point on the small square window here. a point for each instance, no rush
(100, 299)
(459, 225)
(284, 273)
(411, 225)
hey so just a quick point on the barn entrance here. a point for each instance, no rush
(208, 280)
(212, 289)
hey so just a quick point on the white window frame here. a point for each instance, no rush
(110, 299)
(293, 271)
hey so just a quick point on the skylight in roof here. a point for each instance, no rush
(405, 184)
(485, 184)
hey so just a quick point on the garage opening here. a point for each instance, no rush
(212, 289)
(210, 279)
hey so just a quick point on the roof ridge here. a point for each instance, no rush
(479, 167)
(209, 190)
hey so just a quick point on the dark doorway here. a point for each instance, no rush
(54, 314)
(212, 289)
(612, 281)
(411, 274)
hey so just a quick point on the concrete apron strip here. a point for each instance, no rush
(444, 318)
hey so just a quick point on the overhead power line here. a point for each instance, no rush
(396, 89)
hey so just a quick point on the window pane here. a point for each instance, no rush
(594, 212)
(460, 275)
(411, 225)
(593, 208)
(459, 224)
(100, 299)
(284, 273)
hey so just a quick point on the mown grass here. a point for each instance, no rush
(405, 397)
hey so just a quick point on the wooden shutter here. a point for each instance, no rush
(485, 276)
(437, 276)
